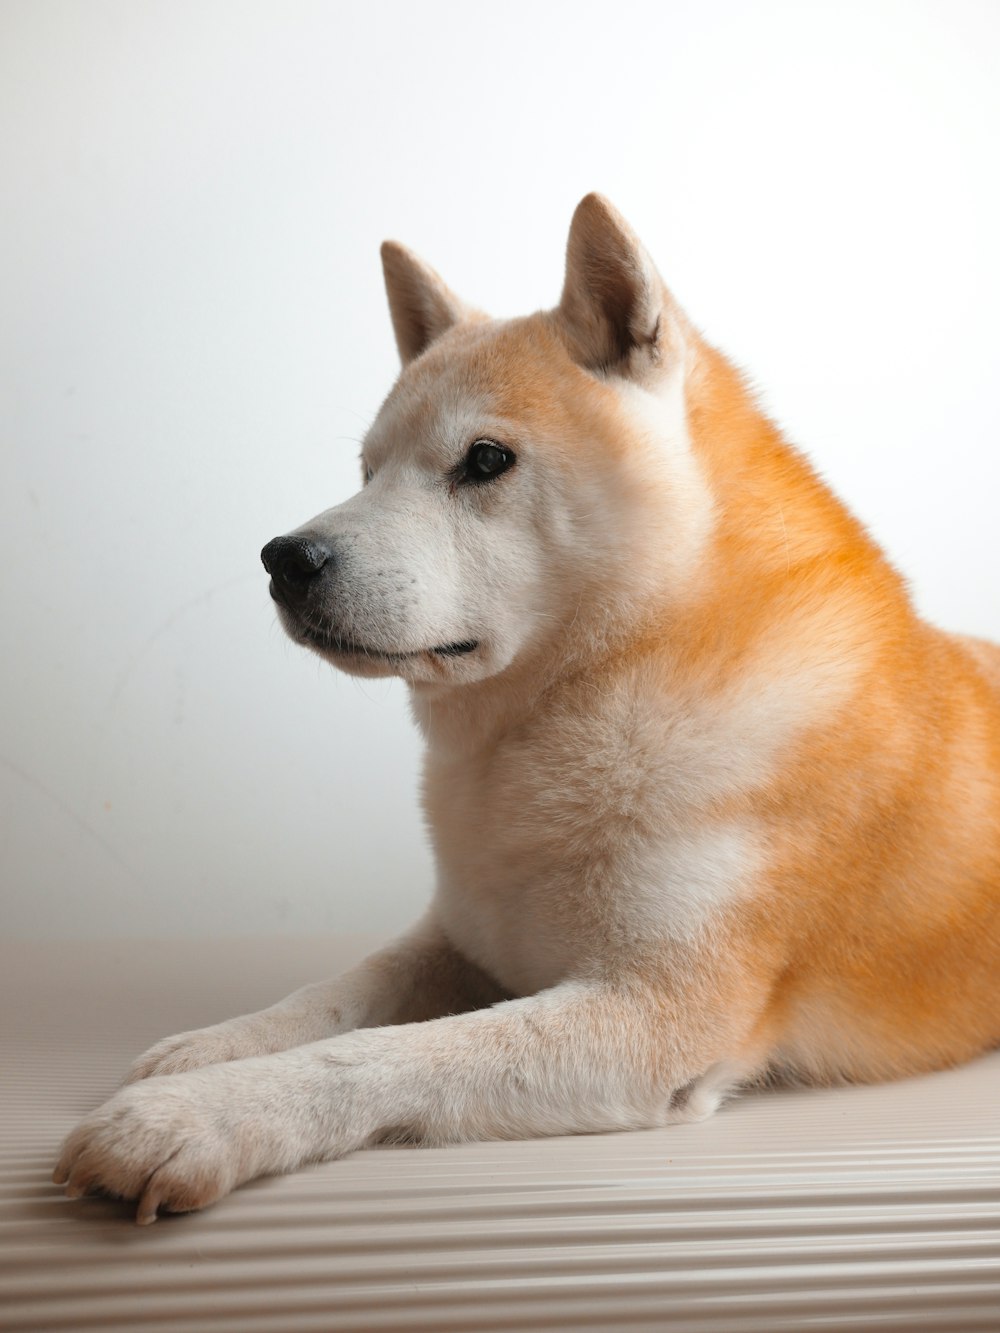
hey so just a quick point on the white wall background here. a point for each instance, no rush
(193, 336)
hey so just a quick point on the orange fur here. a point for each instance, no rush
(888, 816)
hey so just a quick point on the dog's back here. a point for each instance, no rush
(880, 926)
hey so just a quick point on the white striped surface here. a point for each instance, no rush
(860, 1208)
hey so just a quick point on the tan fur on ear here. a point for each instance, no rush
(420, 302)
(613, 299)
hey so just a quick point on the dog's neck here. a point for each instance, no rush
(459, 720)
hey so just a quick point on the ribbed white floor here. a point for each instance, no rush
(860, 1208)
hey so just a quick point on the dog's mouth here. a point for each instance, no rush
(341, 645)
(344, 647)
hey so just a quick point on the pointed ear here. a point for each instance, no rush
(613, 301)
(422, 307)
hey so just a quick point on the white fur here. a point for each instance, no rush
(659, 417)
(705, 1095)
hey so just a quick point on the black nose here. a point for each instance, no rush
(293, 561)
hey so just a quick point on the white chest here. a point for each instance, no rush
(551, 863)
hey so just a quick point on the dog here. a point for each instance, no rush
(710, 804)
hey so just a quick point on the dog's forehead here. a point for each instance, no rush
(475, 375)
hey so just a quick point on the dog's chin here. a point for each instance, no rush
(356, 662)
(362, 659)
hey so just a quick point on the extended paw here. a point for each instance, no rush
(167, 1144)
(235, 1040)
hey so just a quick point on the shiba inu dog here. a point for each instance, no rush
(709, 801)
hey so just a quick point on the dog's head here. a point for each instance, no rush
(523, 477)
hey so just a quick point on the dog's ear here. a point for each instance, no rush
(421, 305)
(613, 301)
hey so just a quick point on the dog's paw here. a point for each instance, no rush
(163, 1143)
(237, 1039)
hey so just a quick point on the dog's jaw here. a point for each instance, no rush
(435, 664)
(343, 650)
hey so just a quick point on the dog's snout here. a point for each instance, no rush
(293, 562)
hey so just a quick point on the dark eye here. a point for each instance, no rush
(367, 473)
(485, 460)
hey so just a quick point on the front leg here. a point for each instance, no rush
(580, 1057)
(417, 977)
